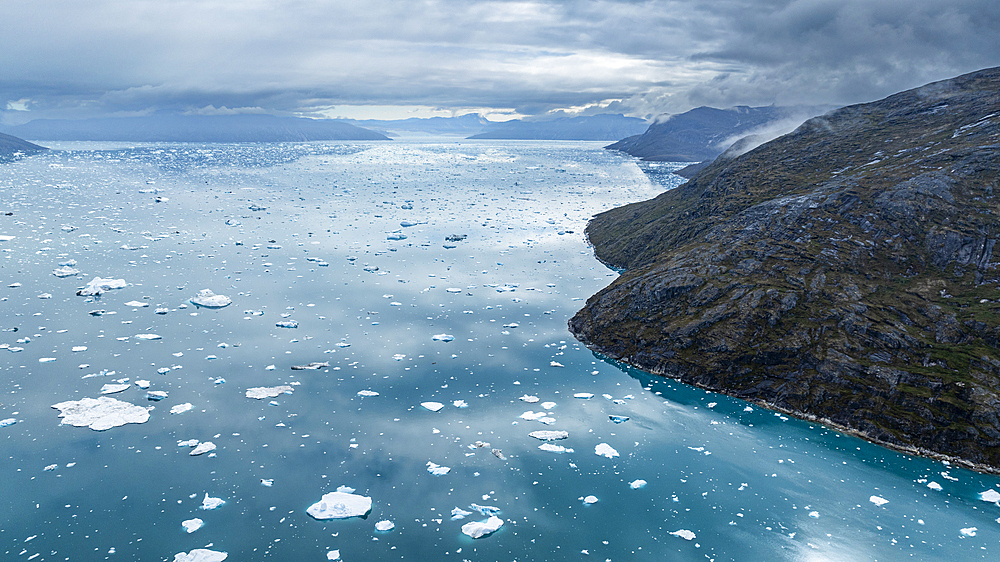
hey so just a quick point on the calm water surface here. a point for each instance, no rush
(349, 241)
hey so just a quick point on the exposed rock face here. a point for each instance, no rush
(846, 271)
(9, 146)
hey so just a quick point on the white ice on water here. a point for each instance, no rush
(605, 450)
(192, 525)
(385, 526)
(684, 534)
(443, 337)
(98, 285)
(432, 406)
(101, 413)
(200, 555)
(480, 529)
(202, 448)
(878, 500)
(549, 435)
(207, 299)
(114, 388)
(262, 392)
(340, 505)
(181, 408)
(991, 496)
(212, 503)
(436, 469)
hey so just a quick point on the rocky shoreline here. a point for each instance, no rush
(843, 274)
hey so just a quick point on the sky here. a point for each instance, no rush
(393, 59)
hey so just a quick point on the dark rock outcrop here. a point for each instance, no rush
(10, 146)
(845, 272)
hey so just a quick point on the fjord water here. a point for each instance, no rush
(313, 233)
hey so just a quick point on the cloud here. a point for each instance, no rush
(531, 57)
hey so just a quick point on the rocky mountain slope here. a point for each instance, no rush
(11, 145)
(845, 272)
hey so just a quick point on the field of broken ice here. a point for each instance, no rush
(359, 351)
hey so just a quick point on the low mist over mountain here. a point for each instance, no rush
(594, 127)
(705, 132)
(194, 128)
(844, 272)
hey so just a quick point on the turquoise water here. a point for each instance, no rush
(311, 233)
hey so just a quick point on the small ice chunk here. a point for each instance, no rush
(262, 392)
(583, 395)
(98, 286)
(460, 404)
(878, 500)
(459, 513)
(486, 510)
(207, 299)
(367, 393)
(137, 304)
(969, 531)
(192, 525)
(529, 399)
(618, 419)
(553, 448)
(333, 555)
(437, 470)
(684, 534)
(315, 365)
(530, 415)
(385, 526)
(78, 348)
(212, 503)
(268, 482)
(443, 337)
(101, 413)
(340, 505)
(8, 422)
(200, 555)
(814, 514)
(556, 364)
(345, 489)
(636, 484)
(188, 443)
(480, 529)
(148, 337)
(590, 500)
(287, 324)
(546, 435)
(991, 496)
(113, 388)
(202, 448)
(548, 405)
(934, 486)
(65, 271)
(181, 408)
(605, 450)
(432, 406)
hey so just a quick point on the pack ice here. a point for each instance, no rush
(100, 413)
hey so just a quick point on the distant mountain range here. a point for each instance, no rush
(602, 127)
(194, 128)
(11, 145)
(462, 126)
(705, 132)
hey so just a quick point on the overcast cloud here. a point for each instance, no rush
(67, 58)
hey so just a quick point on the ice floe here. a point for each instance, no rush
(211, 503)
(553, 448)
(636, 484)
(113, 388)
(315, 365)
(207, 299)
(618, 419)
(590, 500)
(367, 393)
(878, 500)
(385, 526)
(97, 286)
(605, 450)
(333, 555)
(340, 505)
(200, 555)
(991, 496)
(137, 304)
(432, 406)
(549, 435)
(459, 513)
(192, 525)
(181, 408)
(480, 529)
(8, 422)
(443, 337)
(262, 392)
(148, 337)
(436, 469)
(968, 531)
(684, 534)
(584, 395)
(65, 271)
(202, 448)
(528, 399)
(101, 413)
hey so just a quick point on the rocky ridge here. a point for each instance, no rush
(844, 273)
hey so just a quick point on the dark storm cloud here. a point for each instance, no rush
(62, 58)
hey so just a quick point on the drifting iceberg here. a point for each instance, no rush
(192, 525)
(437, 470)
(684, 534)
(207, 299)
(479, 529)
(98, 286)
(262, 392)
(202, 448)
(443, 337)
(991, 496)
(113, 388)
(200, 555)
(65, 271)
(101, 413)
(549, 435)
(315, 365)
(636, 484)
(211, 503)
(432, 406)
(878, 500)
(605, 450)
(385, 526)
(340, 505)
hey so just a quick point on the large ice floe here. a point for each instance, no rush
(549, 435)
(101, 413)
(201, 555)
(480, 529)
(262, 392)
(340, 505)
(207, 299)
(98, 285)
